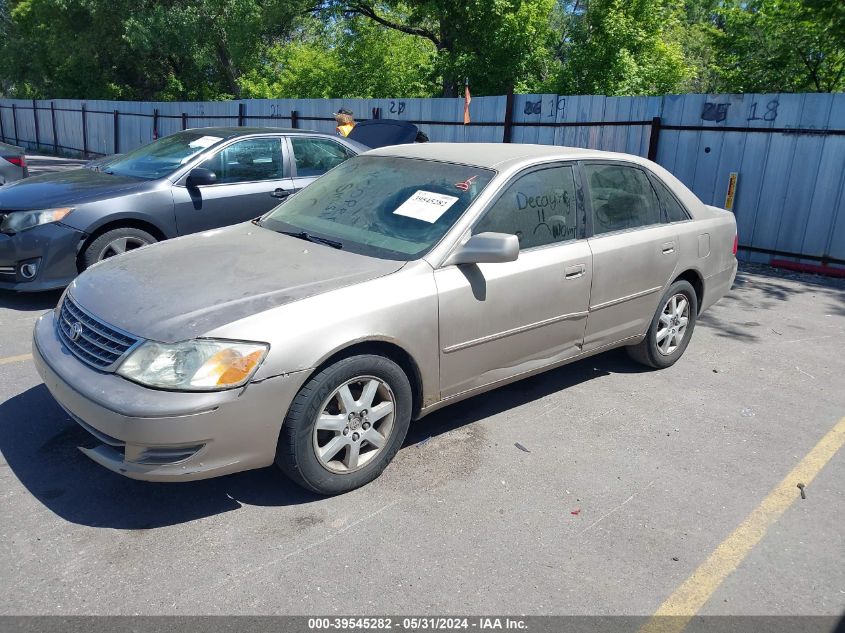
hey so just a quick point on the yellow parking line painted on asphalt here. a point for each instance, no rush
(15, 359)
(692, 595)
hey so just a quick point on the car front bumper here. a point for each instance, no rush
(53, 247)
(163, 435)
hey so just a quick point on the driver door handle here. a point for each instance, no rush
(573, 272)
(280, 193)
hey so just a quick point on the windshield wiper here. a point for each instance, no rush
(302, 235)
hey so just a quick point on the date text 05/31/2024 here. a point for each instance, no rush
(416, 624)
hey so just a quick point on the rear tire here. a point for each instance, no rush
(115, 242)
(671, 328)
(345, 425)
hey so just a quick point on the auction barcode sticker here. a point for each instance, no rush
(426, 206)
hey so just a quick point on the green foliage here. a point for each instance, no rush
(349, 59)
(219, 49)
(623, 47)
(137, 49)
(781, 46)
(495, 43)
(499, 44)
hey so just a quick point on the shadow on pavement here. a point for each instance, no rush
(40, 443)
(29, 301)
(522, 392)
(759, 287)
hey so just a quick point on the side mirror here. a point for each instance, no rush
(486, 248)
(199, 177)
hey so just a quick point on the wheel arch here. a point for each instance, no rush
(388, 349)
(694, 278)
(128, 222)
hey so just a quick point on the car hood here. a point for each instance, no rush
(186, 287)
(65, 188)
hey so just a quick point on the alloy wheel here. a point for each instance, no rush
(354, 424)
(674, 319)
(121, 245)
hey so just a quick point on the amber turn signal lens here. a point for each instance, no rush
(239, 369)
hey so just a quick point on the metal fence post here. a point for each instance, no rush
(116, 131)
(506, 134)
(55, 134)
(84, 133)
(15, 121)
(184, 121)
(654, 139)
(241, 114)
(35, 119)
(294, 119)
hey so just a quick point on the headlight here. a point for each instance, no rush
(17, 221)
(198, 365)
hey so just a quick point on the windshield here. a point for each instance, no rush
(162, 157)
(383, 206)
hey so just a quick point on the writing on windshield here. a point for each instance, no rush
(385, 206)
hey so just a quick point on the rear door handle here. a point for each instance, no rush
(669, 247)
(280, 193)
(573, 272)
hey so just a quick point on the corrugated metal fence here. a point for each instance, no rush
(787, 150)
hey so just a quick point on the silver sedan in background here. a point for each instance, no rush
(12, 163)
(403, 280)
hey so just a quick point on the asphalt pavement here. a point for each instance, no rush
(629, 482)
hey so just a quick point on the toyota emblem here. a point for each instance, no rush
(75, 331)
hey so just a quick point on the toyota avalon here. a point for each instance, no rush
(403, 280)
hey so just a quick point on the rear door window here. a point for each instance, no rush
(316, 156)
(621, 197)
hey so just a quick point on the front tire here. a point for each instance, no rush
(671, 328)
(115, 242)
(345, 425)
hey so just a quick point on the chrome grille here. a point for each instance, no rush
(90, 340)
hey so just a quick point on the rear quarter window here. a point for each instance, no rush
(673, 210)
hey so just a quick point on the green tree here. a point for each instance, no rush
(354, 58)
(218, 49)
(621, 47)
(781, 46)
(138, 49)
(497, 44)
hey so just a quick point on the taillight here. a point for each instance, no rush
(736, 243)
(20, 161)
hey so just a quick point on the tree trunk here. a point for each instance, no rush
(230, 74)
(447, 45)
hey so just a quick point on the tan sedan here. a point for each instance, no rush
(403, 280)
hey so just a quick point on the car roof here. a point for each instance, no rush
(497, 155)
(231, 132)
